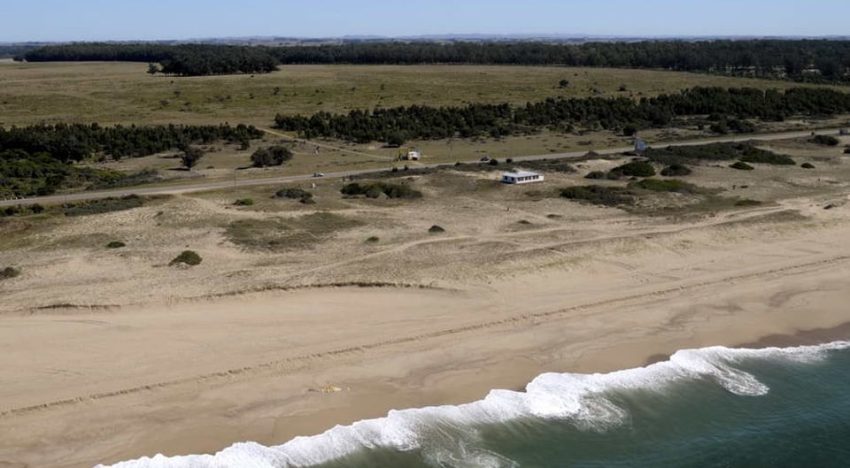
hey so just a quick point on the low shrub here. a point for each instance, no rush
(493, 162)
(244, 202)
(633, 169)
(549, 165)
(187, 257)
(595, 175)
(436, 229)
(825, 140)
(119, 179)
(741, 166)
(106, 205)
(715, 152)
(807, 166)
(375, 189)
(21, 210)
(846, 150)
(373, 240)
(295, 194)
(767, 157)
(668, 185)
(599, 195)
(271, 156)
(676, 170)
(116, 245)
(9, 272)
(747, 202)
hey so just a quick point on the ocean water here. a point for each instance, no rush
(711, 407)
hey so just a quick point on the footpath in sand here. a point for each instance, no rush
(99, 385)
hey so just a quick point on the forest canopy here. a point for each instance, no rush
(37, 160)
(180, 60)
(496, 120)
(799, 60)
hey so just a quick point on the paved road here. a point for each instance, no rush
(191, 187)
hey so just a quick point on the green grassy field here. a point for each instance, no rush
(124, 93)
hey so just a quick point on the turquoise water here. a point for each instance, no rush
(714, 407)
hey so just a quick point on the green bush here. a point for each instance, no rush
(106, 205)
(767, 157)
(436, 229)
(633, 169)
(296, 194)
(187, 257)
(846, 150)
(191, 156)
(676, 170)
(667, 185)
(825, 140)
(807, 166)
(741, 166)
(747, 202)
(9, 272)
(715, 152)
(21, 210)
(375, 189)
(244, 202)
(595, 175)
(599, 195)
(271, 156)
(116, 245)
(373, 240)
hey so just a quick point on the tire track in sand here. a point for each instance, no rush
(302, 360)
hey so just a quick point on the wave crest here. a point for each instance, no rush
(583, 399)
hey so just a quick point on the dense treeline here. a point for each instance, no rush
(766, 57)
(803, 60)
(38, 160)
(181, 60)
(14, 50)
(76, 142)
(423, 122)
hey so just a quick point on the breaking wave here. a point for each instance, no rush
(585, 400)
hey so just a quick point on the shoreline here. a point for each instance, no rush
(367, 403)
(195, 377)
(812, 337)
(271, 404)
(420, 364)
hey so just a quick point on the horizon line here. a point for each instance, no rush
(448, 36)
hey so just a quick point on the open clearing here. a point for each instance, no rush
(124, 93)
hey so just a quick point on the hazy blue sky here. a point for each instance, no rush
(177, 19)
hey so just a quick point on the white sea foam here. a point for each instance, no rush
(580, 398)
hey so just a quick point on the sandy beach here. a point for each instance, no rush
(101, 384)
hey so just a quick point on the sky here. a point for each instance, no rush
(88, 20)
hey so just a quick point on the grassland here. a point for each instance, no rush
(124, 93)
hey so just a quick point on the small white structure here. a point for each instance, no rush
(521, 177)
(640, 146)
(413, 155)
